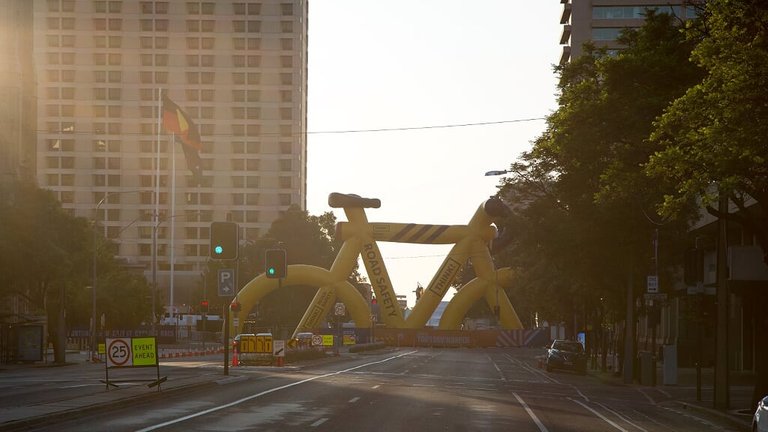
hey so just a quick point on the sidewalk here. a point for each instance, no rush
(20, 417)
(684, 392)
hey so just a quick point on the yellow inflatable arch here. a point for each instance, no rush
(307, 275)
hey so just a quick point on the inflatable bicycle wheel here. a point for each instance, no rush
(328, 292)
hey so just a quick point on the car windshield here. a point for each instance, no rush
(568, 346)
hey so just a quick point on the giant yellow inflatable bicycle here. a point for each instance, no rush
(471, 242)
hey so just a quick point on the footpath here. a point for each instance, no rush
(21, 415)
(15, 415)
(688, 395)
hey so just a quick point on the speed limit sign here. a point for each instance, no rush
(119, 352)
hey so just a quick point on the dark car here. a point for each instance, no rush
(565, 354)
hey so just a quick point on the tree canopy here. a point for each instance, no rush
(586, 208)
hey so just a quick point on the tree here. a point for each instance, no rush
(45, 259)
(713, 137)
(587, 219)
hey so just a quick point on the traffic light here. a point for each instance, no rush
(204, 306)
(224, 240)
(275, 263)
(235, 306)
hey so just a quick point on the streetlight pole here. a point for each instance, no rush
(94, 277)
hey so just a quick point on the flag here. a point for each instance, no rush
(177, 122)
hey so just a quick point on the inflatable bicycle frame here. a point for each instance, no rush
(471, 242)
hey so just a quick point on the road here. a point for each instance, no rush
(406, 389)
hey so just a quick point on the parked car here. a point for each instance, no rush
(565, 354)
(760, 419)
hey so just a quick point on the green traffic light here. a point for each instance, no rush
(218, 250)
(271, 271)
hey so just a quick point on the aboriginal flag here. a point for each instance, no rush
(176, 121)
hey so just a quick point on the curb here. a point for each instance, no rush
(743, 424)
(128, 400)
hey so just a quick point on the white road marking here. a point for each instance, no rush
(586, 399)
(653, 402)
(497, 368)
(266, 392)
(604, 418)
(376, 386)
(354, 399)
(621, 417)
(319, 422)
(535, 419)
(531, 369)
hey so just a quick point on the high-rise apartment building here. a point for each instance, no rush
(601, 21)
(17, 93)
(238, 69)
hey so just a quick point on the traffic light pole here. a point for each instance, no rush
(226, 339)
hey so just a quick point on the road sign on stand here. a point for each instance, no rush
(278, 348)
(119, 353)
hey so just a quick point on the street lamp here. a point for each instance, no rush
(94, 350)
(496, 173)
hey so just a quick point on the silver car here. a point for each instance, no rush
(760, 419)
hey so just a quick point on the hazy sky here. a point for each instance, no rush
(405, 64)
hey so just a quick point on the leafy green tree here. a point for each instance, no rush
(712, 139)
(587, 222)
(45, 259)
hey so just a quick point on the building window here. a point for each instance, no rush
(285, 165)
(632, 12)
(285, 182)
(285, 199)
(606, 33)
(286, 9)
(286, 26)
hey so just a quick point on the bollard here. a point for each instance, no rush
(698, 381)
(235, 362)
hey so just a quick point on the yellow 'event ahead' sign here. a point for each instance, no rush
(144, 351)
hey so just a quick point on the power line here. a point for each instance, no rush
(395, 129)
(329, 132)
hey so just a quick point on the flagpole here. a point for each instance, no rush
(156, 212)
(173, 211)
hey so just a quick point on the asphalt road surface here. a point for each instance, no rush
(417, 389)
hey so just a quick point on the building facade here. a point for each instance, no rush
(17, 94)
(601, 21)
(237, 68)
